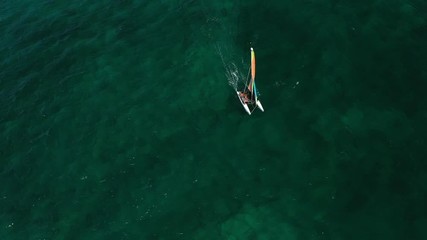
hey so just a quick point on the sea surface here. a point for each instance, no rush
(119, 120)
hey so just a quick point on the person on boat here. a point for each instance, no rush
(246, 97)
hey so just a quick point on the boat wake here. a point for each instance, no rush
(221, 31)
(232, 71)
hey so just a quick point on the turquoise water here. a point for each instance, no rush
(119, 120)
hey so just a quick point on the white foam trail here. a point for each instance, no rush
(221, 29)
(232, 72)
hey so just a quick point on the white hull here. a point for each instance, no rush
(245, 106)
(258, 103)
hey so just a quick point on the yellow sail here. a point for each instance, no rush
(253, 63)
(251, 83)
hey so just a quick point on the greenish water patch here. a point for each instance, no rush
(119, 120)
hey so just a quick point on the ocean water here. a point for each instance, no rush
(119, 120)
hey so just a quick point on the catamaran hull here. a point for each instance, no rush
(258, 103)
(245, 106)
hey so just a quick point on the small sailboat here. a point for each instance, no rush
(249, 95)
